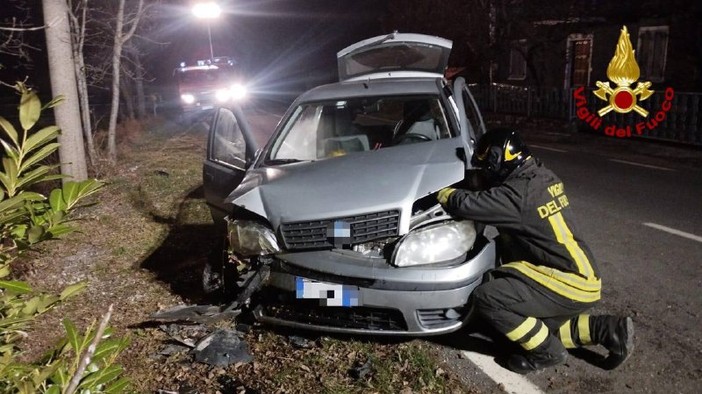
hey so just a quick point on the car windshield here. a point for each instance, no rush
(335, 128)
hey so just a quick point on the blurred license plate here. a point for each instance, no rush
(328, 294)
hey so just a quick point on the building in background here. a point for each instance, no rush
(569, 44)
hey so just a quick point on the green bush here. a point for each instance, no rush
(79, 363)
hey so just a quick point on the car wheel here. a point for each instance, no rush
(212, 281)
(214, 272)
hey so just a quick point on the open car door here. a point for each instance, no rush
(471, 122)
(230, 151)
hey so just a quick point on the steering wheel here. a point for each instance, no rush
(409, 138)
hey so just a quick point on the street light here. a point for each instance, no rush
(208, 10)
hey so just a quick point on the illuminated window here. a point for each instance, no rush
(651, 52)
(517, 59)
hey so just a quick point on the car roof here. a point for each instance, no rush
(373, 87)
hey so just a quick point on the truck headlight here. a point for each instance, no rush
(187, 98)
(437, 243)
(248, 238)
(238, 91)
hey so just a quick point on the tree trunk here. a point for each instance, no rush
(79, 40)
(85, 109)
(114, 110)
(121, 37)
(127, 94)
(63, 83)
(139, 85)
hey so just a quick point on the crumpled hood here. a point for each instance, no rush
(364, 182)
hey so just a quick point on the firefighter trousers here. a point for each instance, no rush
(533, 318)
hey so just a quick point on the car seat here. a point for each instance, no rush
(418, 120)
(337, 146)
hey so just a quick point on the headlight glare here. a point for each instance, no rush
(248, 238)
(187, 98)
(238, 91)
(222, 95)
(437, 243)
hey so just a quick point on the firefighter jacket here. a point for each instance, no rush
(531, 209)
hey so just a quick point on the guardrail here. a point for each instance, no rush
(682, 122)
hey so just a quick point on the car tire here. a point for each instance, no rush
(219, 277)
(212, 282)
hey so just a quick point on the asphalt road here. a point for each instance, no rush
(643, 220)
(644, 224)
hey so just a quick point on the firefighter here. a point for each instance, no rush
(548, 278)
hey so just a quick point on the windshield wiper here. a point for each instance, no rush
(273, 162)
(379, 41)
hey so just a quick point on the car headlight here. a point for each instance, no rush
(238, 91)
(187, 98)
(248, 238)
(437, 243)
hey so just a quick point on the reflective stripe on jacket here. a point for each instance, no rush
(532, 210)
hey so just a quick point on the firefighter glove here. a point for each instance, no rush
(444, 195)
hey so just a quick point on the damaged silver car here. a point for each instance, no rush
(340, 206)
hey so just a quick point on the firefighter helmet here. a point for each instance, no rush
(500, 152)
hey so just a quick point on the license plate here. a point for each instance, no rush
(328, 294)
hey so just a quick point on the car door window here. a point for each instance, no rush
(228, 144)
(473, 114)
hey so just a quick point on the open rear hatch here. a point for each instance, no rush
(394, 55)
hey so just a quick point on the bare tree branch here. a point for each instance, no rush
(85, 360)
(134, 22)
(15, 29)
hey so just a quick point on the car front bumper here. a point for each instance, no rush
(416, 301)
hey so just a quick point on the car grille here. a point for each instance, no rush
(284, 306)
(438, 318)
(313, 234)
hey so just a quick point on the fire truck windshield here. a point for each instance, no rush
(206, 75)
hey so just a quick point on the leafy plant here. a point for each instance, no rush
(27, 218)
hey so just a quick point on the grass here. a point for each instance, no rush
(328, 365)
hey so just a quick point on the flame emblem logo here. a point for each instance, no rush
(623, 71)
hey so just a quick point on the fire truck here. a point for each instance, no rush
(208, 84)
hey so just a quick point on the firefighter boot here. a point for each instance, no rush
(549, 354)
(617, 335)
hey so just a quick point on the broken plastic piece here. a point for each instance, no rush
(360, 372)
(222, 348)
(172, 349)
(300, 342)
(196, 313)
(186, 335)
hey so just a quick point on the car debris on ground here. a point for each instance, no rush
(190, 326)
